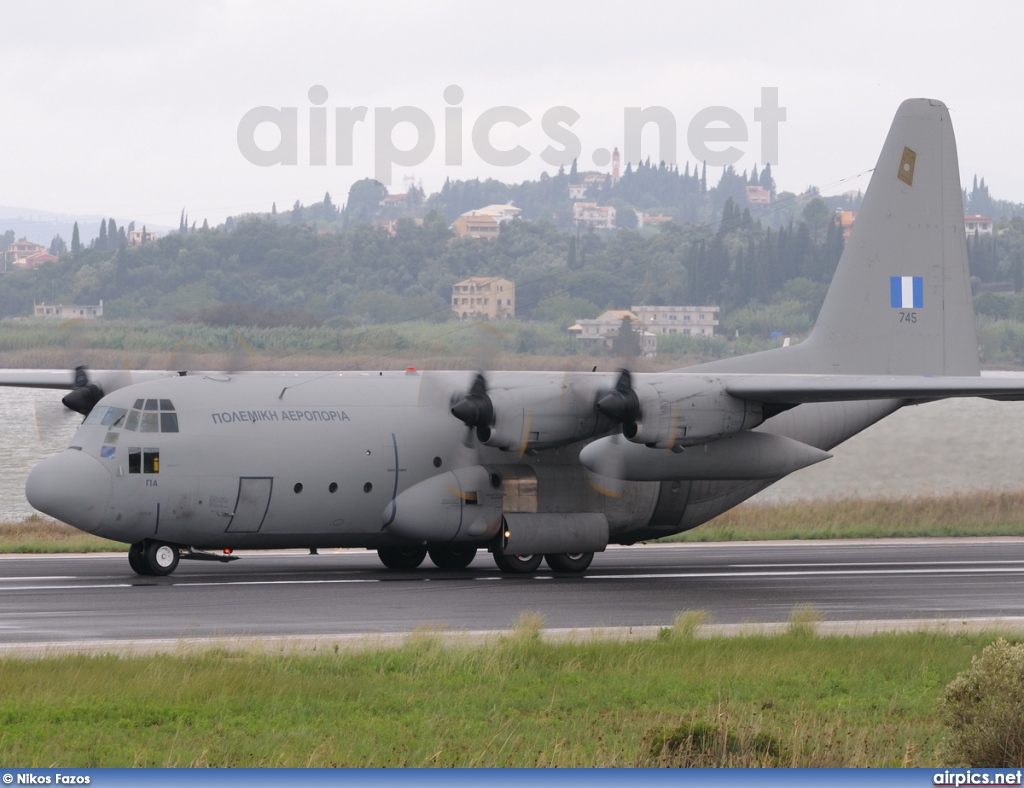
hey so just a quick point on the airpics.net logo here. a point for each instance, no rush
(269, 136)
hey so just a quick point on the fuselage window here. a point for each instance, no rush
(138, 404)
(111, 437)
(135, 460)
(151, 460)
(168, 422)
(151, 404)
(150, 422)
(165, 404)
(132, 422)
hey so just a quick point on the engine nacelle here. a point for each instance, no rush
(545, 412)
(687, 410)
(460, 505)
(742, 457)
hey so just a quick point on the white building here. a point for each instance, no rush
(594, 215)
(697, 321)
(68, 311)
(604, 330)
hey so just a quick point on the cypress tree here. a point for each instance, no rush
(76, 241)
(101, 242)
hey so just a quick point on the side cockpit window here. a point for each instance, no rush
(143, 460)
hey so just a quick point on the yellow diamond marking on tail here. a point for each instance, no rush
(906, 173)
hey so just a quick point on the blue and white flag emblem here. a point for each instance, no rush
(907, 292)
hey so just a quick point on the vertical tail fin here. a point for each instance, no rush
(900, 301)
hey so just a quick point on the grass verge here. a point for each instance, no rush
(976, 513)
(37, 534)
(789, 700)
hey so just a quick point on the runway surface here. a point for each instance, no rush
(60, 599)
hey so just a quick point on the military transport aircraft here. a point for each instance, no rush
(530, 464)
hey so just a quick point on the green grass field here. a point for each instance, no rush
(789, 700)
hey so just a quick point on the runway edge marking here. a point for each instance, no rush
(313, 644)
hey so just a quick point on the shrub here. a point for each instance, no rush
(699, 744)
(984, 709)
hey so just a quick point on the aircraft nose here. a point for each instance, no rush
(71, 487)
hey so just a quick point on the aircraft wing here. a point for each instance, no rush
(797, 389)
(38, 378)
(109, 379)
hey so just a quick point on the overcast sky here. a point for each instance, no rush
(133, 111)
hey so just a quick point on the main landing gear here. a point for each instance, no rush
(447, 557)
(560, 563)
(454, 557)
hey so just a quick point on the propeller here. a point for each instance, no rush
(475, 409)
(622, 406)
(83, 398)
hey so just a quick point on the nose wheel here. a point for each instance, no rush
(152, 558)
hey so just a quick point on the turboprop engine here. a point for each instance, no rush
(675, 412)
(520, 411)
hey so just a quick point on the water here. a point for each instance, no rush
(941, 447)
(33, 425)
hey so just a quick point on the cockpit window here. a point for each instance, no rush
(113, 417)
(96, 415)
(148, 415)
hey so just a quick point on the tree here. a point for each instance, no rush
(76, 241)
(626, 218)
(364, 200)
(817, 215)
(101, 241)
(766, 180)
(627, 340)
(57, 245)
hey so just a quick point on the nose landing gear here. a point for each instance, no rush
(153, 558)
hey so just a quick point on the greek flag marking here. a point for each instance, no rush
(906, 292)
